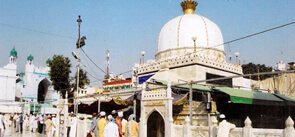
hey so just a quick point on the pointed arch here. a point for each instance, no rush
(42, 90)
(155, 124)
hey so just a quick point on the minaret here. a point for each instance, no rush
(29, 70)
(13, 56)
(189, 6)
(30, 59)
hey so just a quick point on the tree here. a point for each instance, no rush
(251, 68)
(83, 81)
(60, 69)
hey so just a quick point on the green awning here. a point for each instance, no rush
(289, 99)
(249, 97)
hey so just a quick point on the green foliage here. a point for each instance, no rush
(251, 68)
(83, 81)
(60, 69)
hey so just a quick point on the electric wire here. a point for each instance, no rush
(36, 31)
(88, 66)
(90, 73)
(93, 61)
(257, 33)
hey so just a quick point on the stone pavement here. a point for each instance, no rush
(10, 132)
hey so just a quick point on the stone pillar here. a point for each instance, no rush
(66, 114)
(214, 126)
(60, 107)
(187, 128)
(85, 126)
(247, 130)
(169, 111)
(143, 120)
(289, 129)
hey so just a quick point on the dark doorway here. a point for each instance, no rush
(42, 90)
(155, 125)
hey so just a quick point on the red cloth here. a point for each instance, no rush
(119, 124)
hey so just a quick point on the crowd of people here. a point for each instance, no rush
(113, 125)
(102, 125)
(19, 122)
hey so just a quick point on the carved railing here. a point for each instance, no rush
(154, 94)
(187, 130)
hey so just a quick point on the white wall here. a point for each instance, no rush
(8, 82)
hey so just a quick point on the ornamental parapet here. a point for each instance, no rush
(154, 94)
(190, 59)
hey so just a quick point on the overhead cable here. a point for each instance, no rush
(92, 61)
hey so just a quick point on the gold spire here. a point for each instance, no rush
(189, 6)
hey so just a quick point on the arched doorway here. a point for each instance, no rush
(155, 125)
(42, 90)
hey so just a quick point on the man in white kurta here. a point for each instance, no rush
(111, 129)
(33, 123)
(224, 127)
(73, 130)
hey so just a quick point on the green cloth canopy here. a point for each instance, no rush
(248, 97)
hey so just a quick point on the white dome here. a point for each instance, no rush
(178, 34)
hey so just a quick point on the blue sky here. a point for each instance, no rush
(44, 28)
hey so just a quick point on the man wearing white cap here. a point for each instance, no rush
(111, 129)
(101, 123)
(114, 113)
(119, 123)
(224, 127)
(123, 124)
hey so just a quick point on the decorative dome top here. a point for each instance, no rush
(13, 53)
(189, 6)
(185, 31)
(30, 58)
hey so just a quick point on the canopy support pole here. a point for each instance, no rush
(98, 105)
(190, 103)
(134, 108)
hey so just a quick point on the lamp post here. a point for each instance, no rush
(194, 38)
(142, 56)
(190, 102)
(78, 44)
(229, 57)
(237, 54)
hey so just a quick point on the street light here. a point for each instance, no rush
(194, 38)
(74, 55)
(229, 57)
(80, 43)
(142, 56)
(237, 54)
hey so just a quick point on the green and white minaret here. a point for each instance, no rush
(13, 56)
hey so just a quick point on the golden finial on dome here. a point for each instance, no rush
(189, 6)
